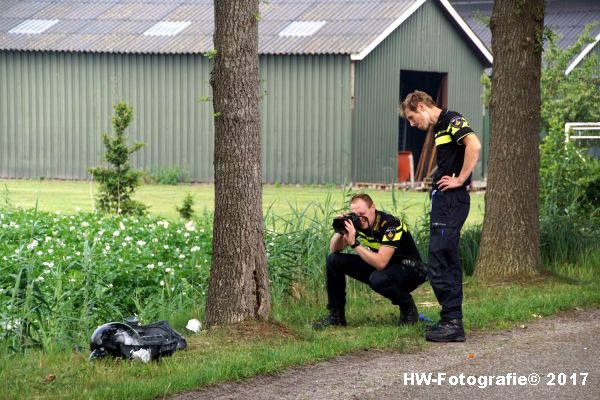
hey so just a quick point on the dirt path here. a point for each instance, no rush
(564, 344)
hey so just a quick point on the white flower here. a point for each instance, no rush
(85, 224)
(167, 270)
(128, 238)
(181, 256)
(120, 260)
(48, 264)
(121, 225)
(47, 239)
(162, 283)
(72, 280)
(77, 254)
(71, 228)
(116, 233)
(166, 246)
(39, 279)
(39, 253)
(194, 249)
(155, 240)
(101, 232)
(32, 245)
(150, 266)
(190, 226)
(107, 247)
(50, 250)
(163, 223)
(160, 263)
(141, 243)
(57, 212)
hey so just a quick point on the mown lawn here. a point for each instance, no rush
(70, 196)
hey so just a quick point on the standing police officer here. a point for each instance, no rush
(457, 153)
(386, 259)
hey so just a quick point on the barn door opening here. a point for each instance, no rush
(411, 141)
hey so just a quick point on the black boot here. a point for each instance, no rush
(446, 331)
(335, 318)
(408, 313)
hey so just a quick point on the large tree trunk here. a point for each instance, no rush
(510, 239)
(238, 279)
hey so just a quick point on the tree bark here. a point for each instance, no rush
(239, 286)
(510, 238)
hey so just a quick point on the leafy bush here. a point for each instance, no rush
(169, 176)
(569, 178)
(117, 183)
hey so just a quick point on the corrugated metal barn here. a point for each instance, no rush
(333, 73)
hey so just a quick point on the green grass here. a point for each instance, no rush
(299, 215)
(251, 349)
(69, 196)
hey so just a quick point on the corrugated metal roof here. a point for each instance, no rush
(118, 25)
(567, 18)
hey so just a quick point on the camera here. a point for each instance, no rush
(339, 223)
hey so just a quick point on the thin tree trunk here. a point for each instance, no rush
(239, 279)
(510, 239)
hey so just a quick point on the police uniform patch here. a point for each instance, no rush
(457, 122)
(390, 233)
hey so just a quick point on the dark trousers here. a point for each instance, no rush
(449, 210)
(394, 282)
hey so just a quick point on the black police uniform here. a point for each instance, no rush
(449, 210)
(395, 282)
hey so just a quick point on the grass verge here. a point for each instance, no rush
(246, 350)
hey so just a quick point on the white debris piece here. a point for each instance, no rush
(142, 355)
(194, 325)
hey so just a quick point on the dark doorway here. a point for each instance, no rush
(433, 83)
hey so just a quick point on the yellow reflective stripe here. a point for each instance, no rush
(372, 245)
(368, 241)
(443, 140)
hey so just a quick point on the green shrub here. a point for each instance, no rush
(169, 176)
(186, 210)
(118, 182)
(569, 177)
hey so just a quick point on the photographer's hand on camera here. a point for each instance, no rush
(350, 235)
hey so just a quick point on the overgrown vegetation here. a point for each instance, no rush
(569, 177)
(118, 182)
(168, 176)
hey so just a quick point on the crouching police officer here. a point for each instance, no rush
(386, 259)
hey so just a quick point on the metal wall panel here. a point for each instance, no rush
(427, 41)
(54, 107)
(305, 111)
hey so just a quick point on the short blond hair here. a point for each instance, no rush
(413, 99)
